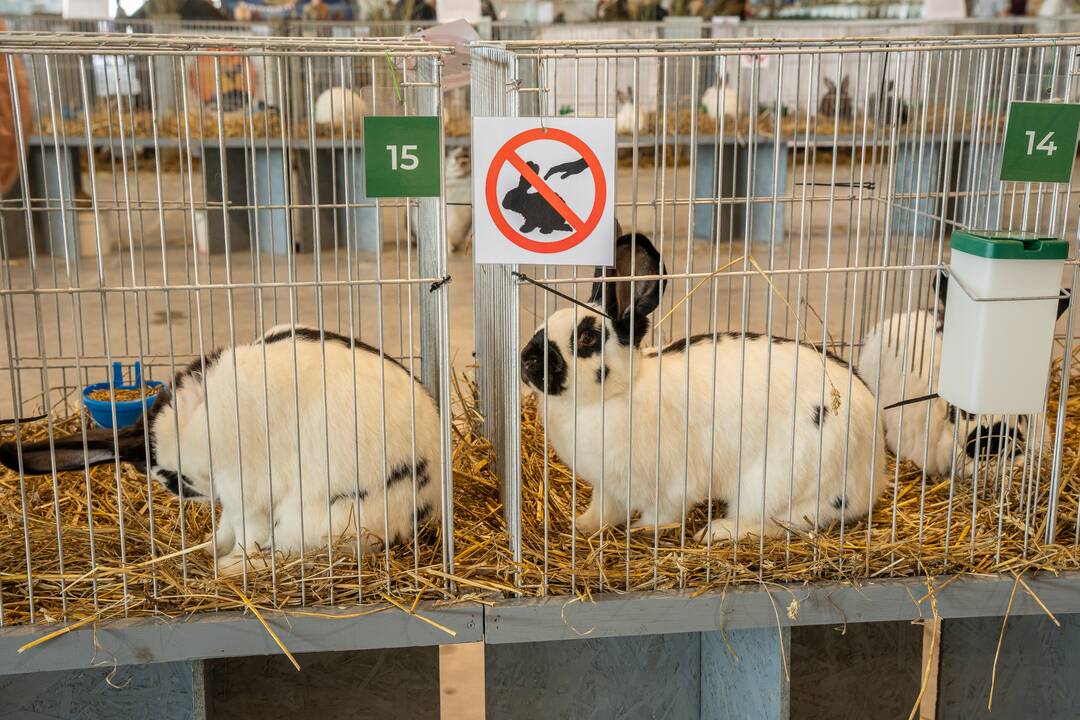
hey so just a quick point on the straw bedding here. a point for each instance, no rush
(675, 563)
(177, 585)
(184, 583)
(106, 123)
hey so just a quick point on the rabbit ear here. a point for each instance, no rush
(629, 93)
(1063, 304)
(844, 84)
(67, 453)
(942, 290)
(624, 300)
(829, 84)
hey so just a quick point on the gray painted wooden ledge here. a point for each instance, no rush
(539, 619)
(234, 634)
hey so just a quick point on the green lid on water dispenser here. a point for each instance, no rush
(1006, 245)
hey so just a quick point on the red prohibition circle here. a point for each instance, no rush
(495, 208)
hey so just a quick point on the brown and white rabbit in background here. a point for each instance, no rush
(458, 184)
(208, 414)
(581, 354)
(926, 433)
(830, 103)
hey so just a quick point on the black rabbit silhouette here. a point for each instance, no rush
(537, 211)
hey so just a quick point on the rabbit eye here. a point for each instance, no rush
(589, 338)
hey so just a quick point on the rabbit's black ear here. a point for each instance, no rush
(635, 256)
(942, 291)
(38, 458)
(844, 85)
(1063, 304)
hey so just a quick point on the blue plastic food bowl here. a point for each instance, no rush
(128, 412)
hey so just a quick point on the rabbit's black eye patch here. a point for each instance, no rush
(587, 338)
(543, 366)
(989, 441)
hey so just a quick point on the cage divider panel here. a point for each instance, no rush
(356, 212)
(919, 170)
(766, 221)
(233, 192)
(53, 184)
(714, 181)
(979, 185)
(271, 215)
(15, 235)
(304, 196)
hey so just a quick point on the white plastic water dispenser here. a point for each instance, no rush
(999, 321)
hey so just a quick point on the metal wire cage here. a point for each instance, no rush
(800, 197)
(180, 205)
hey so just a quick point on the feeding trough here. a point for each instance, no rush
(129, 401)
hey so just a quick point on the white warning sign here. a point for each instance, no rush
(544, 191)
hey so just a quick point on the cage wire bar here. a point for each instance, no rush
(781, 210)
(177, 197)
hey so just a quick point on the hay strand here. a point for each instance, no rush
(266, 626)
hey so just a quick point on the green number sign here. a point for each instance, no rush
(402, 156)
(1040, 142)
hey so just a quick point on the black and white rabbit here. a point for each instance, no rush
(585, 354)
(926, 433)
(211, 422)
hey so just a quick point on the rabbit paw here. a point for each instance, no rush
(223, 541)
(723, 530)
(588, 523)
(232, 565)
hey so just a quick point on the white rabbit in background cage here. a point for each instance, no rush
(932, 433)
(721, 98)
(813, 455)
(338, 458)
(627, 117)
(340, 107)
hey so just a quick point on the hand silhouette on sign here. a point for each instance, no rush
(568, 169)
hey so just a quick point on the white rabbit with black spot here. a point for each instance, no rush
(251, 418)
(819, 416)
(900, 359)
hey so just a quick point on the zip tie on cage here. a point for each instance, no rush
(439, 283)
(911, 401)
(868, 185)
(393, 75)
(525, 278)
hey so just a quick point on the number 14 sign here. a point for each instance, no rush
(1040, 142)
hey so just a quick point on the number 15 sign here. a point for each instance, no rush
(1040, 142)
(402, 156)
